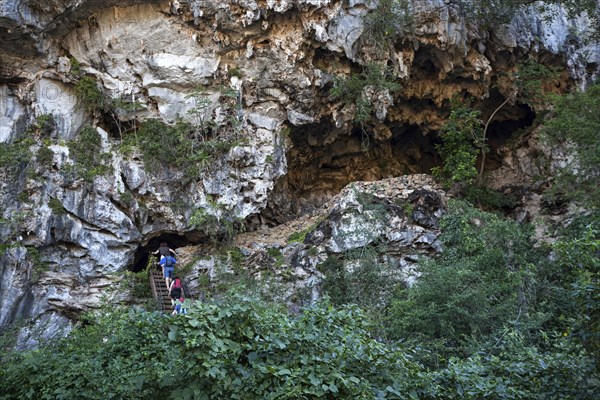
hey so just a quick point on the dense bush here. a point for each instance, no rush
(575, 124)
(577, 258)
(178, 146)
(351, 89)
(123, 354)
(462, 139)
(15, 157)
(235, 349)
(480, 282)
(515, 370)
(243, 348)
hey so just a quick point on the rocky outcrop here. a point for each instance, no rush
(262, 73)
(400, 215)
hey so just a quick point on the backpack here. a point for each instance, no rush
(176, 289)
(175, 292)
(169, 261)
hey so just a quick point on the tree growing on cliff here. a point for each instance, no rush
(462, 136)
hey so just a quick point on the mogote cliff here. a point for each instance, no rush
(209, 123)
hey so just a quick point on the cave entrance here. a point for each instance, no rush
(324, 159)
(141, 256)
(511, 122)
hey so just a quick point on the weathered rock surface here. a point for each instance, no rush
(267, 68)
(398, 214)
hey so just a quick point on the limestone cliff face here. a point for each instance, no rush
(268, 66)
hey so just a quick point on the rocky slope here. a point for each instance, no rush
(263, 70)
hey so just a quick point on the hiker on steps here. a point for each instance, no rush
(176, 290)
(163, 250)
(168, 266)
(179, 307)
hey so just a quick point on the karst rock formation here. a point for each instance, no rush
(258, 75)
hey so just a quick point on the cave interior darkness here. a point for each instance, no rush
(322, 160)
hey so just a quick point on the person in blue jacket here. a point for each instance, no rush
(168, 266)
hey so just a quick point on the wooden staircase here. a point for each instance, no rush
(160, 291)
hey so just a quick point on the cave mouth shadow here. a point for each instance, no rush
(174, 240)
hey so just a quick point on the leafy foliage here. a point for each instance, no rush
(118, 355)
(164, 145)
(242, 348)
(351, 89)
(576, 254)
(90, 94)
(462, 137)
(516, 370)
(489, 199)
(530, 82)
(389, 18)
(358, 277)
(575, 125)
(56, 206)
(15, 157)
(479, 283)
(217, 226)
(90, 158)
(236, 349)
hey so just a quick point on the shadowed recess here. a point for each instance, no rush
(141, 256)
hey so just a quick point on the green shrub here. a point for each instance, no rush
(235, 71)
(56, 206)
(298, 237)
(45, 156)
(15, 157)
(390, 17)
(575, 124)
(87, 152)
(121, 354)
(277, 257)
(257, 351)
(90, 94)
(350, 89)
(75, 69)
(138, 283)
(488, 198)
(576, 256)
(38, 265)
(43, 125)
(480, 282)
(359, 277)
(515, 370)
(239, 348)
(206, 222)
(178, 146)
(462, 139)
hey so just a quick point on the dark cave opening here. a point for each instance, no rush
(174, 240)
(324, 159)
(516, 119)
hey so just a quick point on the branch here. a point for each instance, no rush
(487, 124)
